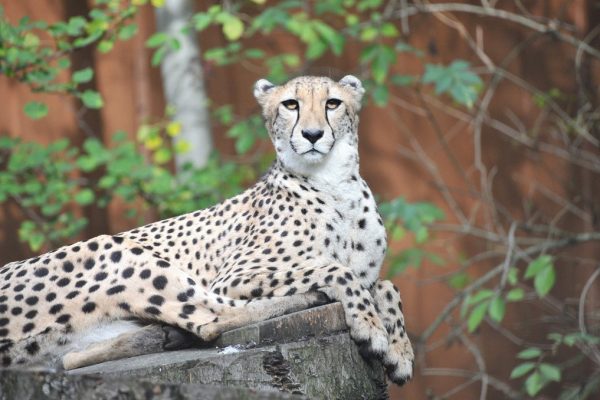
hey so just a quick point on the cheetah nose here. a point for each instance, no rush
(312, 135)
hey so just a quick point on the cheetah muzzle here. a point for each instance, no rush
(309, 227)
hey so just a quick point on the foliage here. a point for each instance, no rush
(37, 53)
(456, 79)
(402, 217)
(48, 181)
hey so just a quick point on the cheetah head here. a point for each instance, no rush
(311, 119)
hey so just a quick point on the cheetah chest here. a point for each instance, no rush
(355, 235)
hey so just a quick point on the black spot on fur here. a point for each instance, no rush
(88, 307)
(157, 300)
(89, 264)
(32, 348)
(115, 290)
(159, 282)
(63, 282)
(68, 266)
(41, 272)
(152, 310)
(55, 309)
(115, 256)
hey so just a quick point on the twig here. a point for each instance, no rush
(460, 373)
(582, 300)
(550, 27)
(491, 274)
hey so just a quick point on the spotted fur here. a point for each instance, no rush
(309, 226)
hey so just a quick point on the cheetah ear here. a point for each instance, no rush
(354, 84)
(261, 88)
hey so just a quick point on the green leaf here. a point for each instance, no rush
(456, 79)
(513, 275)
(497, 309)
(479, 296)
(157, 39)
(403, 80)
(389, 30)
(76, 25)
(398, 232)
(521, 370)
(83, 75)
(411, 257)
(233, 28)
(254, 53)
(51, 209)
(35, 109)
(368, 34)
(36, 241)
(158, 56)
(31, 40)
(202, 21)
(550, 372)
(515, 294)
(244, 143)
(87, 163)
(532, 352)
(544, 280)
(332, 37)
(182, 147)
(380, 95)
(84, 196)
(459, 280)
(537, 265)
(107, 182)
(421, 235)
(533, 384)
(92, 99)
(364, 5)
(383, 60)
(127, 31)
(476, 316)
(162, 155)
(63, 63)
(316, 48)
(105, 46)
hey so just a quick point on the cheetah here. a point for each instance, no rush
(307, 232)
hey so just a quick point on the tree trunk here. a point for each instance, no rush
(183, 83)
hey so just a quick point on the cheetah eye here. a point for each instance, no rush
(332, 104)
(290, 104)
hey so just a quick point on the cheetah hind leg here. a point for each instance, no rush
(161, 337)
(260, 309)
(148, 339)
(399, 359)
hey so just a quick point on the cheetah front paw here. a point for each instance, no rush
(399, 360)
(370, 335)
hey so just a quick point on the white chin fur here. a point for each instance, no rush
(313, 157)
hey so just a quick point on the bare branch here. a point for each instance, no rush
(550, 27)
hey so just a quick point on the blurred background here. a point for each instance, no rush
(479, 134)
